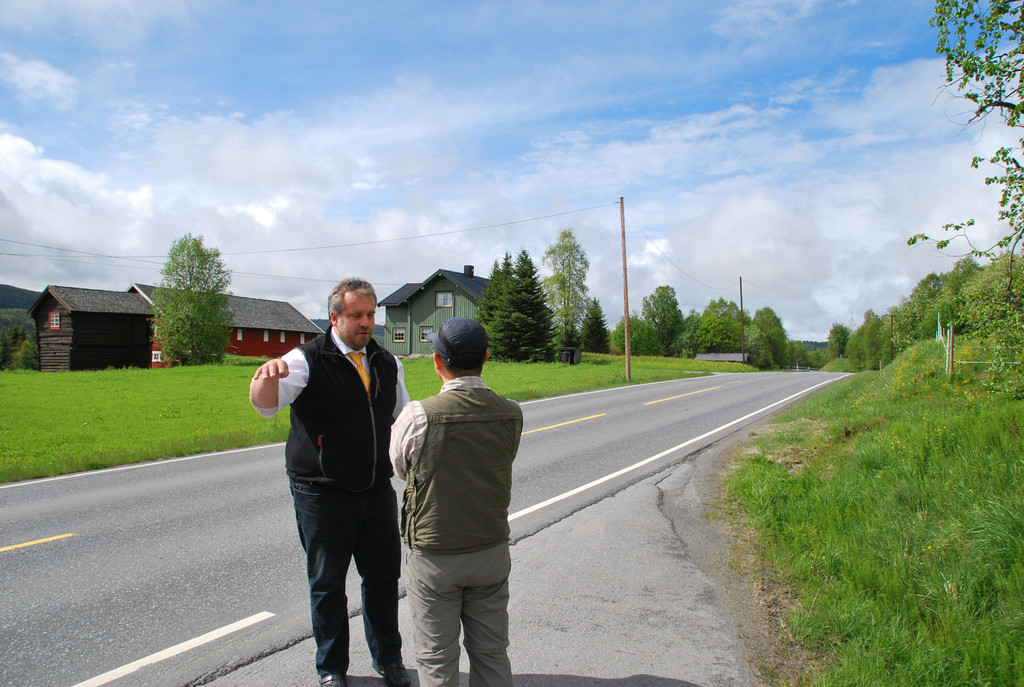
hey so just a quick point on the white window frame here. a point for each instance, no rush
(55, 320)
(444, 299)
(157, 357)
(398, 335)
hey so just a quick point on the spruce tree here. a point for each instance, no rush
(595, 329)
(530, 317)
(494, 308)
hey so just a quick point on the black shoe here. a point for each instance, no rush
(332, 680)
(394, 674)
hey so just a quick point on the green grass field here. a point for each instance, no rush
(893, 503)
(52, 423)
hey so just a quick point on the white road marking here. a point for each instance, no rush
(174, 650)
(134, 466)
(623, 471)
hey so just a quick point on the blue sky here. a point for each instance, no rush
(794, 143)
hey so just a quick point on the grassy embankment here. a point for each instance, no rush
(52, 423)
(892, 505)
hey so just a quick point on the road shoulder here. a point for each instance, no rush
(714, 531)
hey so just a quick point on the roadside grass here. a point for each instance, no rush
(892, 504)
(54, 423)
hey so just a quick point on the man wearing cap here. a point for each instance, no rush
(455, 453)
(344, 391)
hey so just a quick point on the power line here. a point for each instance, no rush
(423, 236)
(669, 260)
(150, 258)
(721, 288)
(327, 247)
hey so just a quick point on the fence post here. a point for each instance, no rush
(949, 356)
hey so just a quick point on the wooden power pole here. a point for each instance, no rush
(625, 287)
(743, 339)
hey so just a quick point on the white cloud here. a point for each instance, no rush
(107, 22)
(33, 80)
(745, 17)
(48, 203)
(807, 188)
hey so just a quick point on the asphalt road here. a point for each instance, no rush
(172, 572)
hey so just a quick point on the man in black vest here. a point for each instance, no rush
(455, 453)
(345, 391)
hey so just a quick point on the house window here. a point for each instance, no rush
(239, 335)
(266, 336)
(424, 331)
(442, 299)
(156, 357)
(302, 338)
(398, 335)
(55, 320)
(282, 337)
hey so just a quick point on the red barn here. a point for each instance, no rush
(259, 327)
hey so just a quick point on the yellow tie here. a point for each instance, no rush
(358, 357)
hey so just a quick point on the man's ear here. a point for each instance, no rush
(437, 361)
(487, 356)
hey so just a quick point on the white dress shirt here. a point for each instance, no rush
(410, 426)
(289, 388)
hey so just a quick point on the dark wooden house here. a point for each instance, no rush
(91, 329)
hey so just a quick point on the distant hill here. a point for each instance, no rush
(13, 297)
(815, 345)
(378, 330)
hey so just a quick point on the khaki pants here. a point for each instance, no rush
(446, 591)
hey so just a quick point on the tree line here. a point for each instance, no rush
(17, 341)
(529, 318)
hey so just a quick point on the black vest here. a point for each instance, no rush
(340, 434)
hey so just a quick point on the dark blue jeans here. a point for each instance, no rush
(335, 527)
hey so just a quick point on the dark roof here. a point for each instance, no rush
(256, 313)
(249, 313)
(401, 294)
(75, 299)
(474, 285)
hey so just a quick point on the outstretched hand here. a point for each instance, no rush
(272, 369)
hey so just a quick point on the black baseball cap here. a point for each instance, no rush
(461, 342)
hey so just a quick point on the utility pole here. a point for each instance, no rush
(743, 339)
(890, 336)
(625, 288)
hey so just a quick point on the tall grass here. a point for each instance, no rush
(893, 503)
(52, 423)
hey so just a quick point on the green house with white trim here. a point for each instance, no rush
(415, 310)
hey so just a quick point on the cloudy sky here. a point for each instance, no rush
(795, 144)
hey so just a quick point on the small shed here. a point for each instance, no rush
(91, 329)
(724, 357)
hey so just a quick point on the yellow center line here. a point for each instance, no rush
(563, 424)
(670, 398)
(33, 543)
